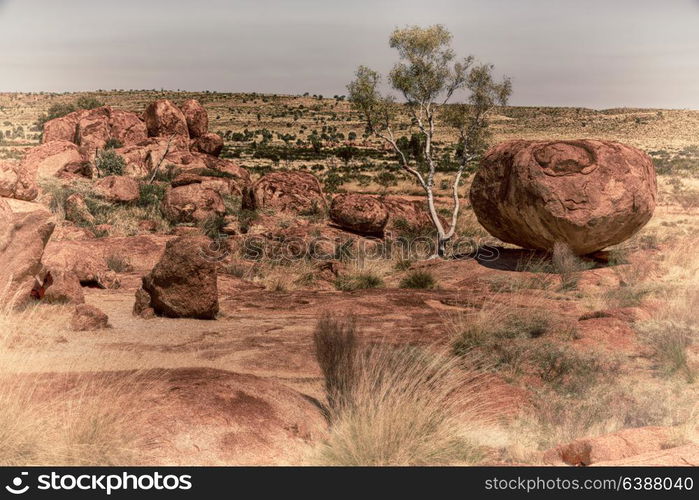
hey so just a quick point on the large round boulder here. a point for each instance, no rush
(196, 116)
(183, 284)
(163, 118)
(588, 194)
(361, 213)
(286, 192)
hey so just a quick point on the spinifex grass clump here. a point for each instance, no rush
(392, 405)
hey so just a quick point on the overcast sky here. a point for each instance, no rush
(593, 53)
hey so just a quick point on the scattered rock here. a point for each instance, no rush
(619, 445)
(118, 189)
(88, 318)
(183, 284)
(142, 306)
(588, 194)
(196, 117)
(361, 213)
(163, 118)
(296, 192)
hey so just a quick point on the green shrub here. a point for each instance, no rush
(113, 144)
(88, 102)
(109, 163)
(150, 195)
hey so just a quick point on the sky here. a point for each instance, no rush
(589, 53)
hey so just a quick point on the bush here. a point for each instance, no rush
(418, 279)
(151, 194)
(568, 265)
(118, 264)
(396, 406)
(335, 347)
(359, 281)
(109, 163)
(669, 341)
(88, 102)
(113, 144)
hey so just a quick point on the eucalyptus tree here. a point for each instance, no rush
(429, 77)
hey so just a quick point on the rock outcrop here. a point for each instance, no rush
(588, 194)
(18, 181)
(165, 119)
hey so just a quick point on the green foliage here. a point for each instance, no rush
(108, 162)
(150, 195)
(113, 143)
(88, 102)
(213, 226)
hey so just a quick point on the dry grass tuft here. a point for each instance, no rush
(50, 419)
(399, 405)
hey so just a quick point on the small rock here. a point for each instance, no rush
(88, 318)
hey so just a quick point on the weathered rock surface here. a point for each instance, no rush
(18, 181)
(118, 189)
(210, 144)
(48, 159)
(64, 288)
(183, 284)
(610, 447)
(163, 118)
(192, 203)
(588, 194)
(196, 117)
(92, 128)
(286, 192)
(361, 213)
(23, 237)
